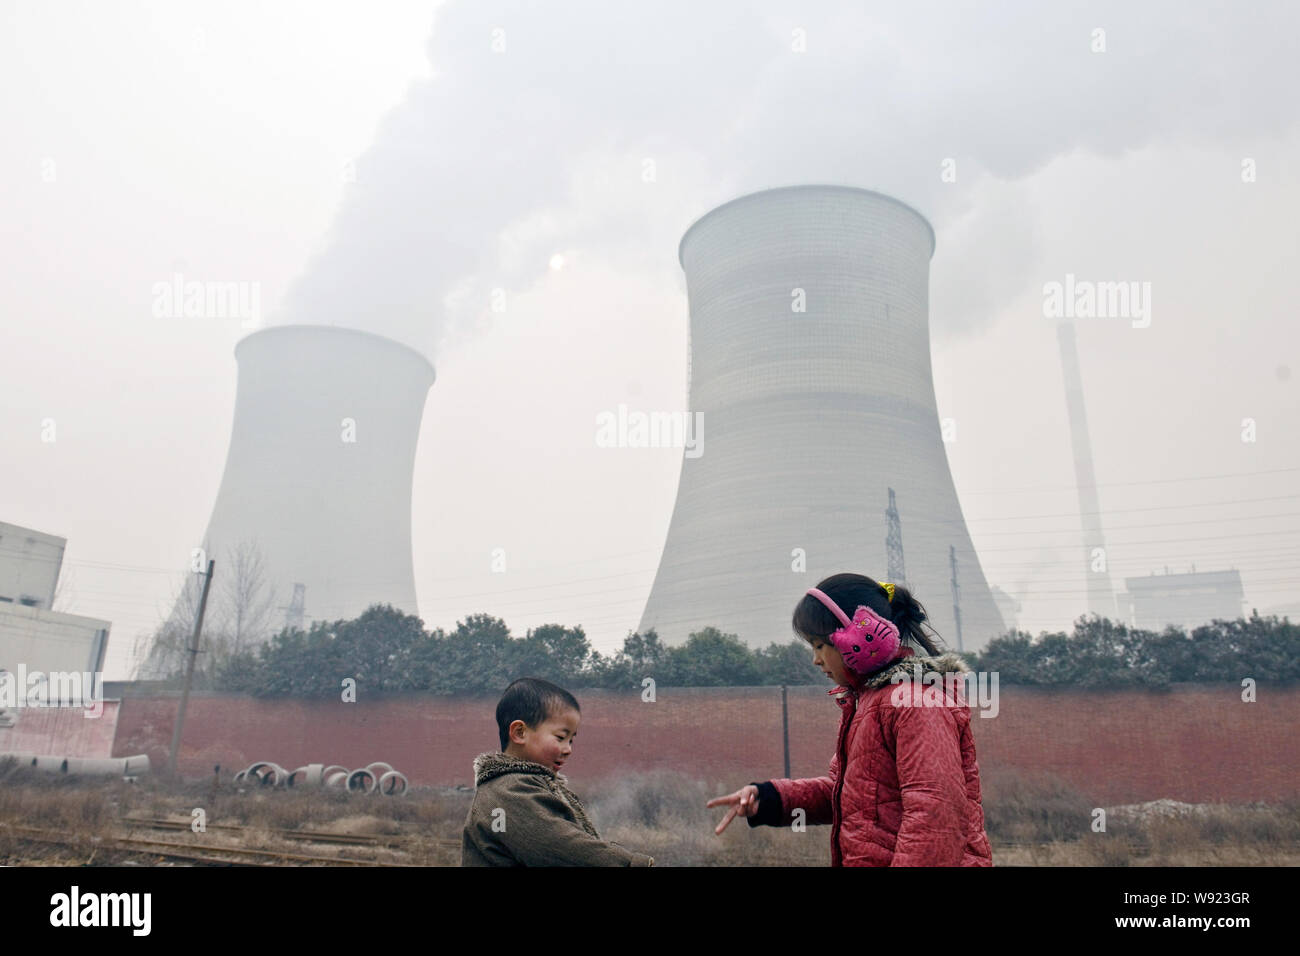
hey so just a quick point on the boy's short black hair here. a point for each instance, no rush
(531, 700)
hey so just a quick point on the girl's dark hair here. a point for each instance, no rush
(814, 621)
(531, 700)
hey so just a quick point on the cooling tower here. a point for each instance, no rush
(810, 363)
(319, 472)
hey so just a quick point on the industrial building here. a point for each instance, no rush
(810, 364)
(1184, 600)
(30, 561)
(35, 640)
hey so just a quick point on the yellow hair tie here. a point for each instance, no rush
(888, 587)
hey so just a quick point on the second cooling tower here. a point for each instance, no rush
(810, 364)
(319, 473)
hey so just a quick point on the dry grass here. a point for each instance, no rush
(1031, 821)
(1038, 820)
(664, 815)
(1032, 808)
(83, 809)
(38, 798)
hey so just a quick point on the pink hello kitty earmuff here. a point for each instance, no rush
(866, 643)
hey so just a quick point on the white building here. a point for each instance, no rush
(47, 641)
(34, 638)
(29, 566)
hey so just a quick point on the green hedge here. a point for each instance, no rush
(385, 650)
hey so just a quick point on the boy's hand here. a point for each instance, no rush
(742, 803)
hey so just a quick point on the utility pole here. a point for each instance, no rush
(189, 671)
(956, 595)
(785, 729)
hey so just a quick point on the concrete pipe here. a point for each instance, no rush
(333, 769)
(107, 766)
(267, 774)
(379, 768)
(86, 766)
(310, 775)
(138, 764)
(361, 781)
(393, 784)
(338, 780)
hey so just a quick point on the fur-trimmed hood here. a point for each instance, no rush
(943, 664)
(495, 763)
(905, 668)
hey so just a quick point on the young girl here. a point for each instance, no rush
(903, 788)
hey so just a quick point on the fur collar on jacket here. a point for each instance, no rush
(905, 667)
(494, 764)
(498, 763)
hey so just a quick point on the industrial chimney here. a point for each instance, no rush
(319, 472)
(810, 363)
(1101, 595)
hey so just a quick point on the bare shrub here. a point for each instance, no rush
(1032, 808)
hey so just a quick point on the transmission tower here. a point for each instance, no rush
(894, 544)
(293, 613)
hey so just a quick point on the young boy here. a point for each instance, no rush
(523, 814)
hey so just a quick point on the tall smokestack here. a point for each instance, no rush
(319, 472)
(810, 362)
(1096, 565)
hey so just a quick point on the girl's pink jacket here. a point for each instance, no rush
(903, 788)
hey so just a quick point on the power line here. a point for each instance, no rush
(989, 569)
(106, 565)
(1126, 484)
(1115, 511)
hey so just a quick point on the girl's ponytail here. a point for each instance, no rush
(908, 615)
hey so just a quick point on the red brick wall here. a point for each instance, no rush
(1192, 743)
(60, 731)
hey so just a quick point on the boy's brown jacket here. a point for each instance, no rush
(541, 823)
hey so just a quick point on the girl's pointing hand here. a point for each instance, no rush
(742, 803)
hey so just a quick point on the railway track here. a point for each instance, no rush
(322, 836)
(165, 849)
(387, 841)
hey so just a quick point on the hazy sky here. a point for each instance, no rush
(387, 166)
